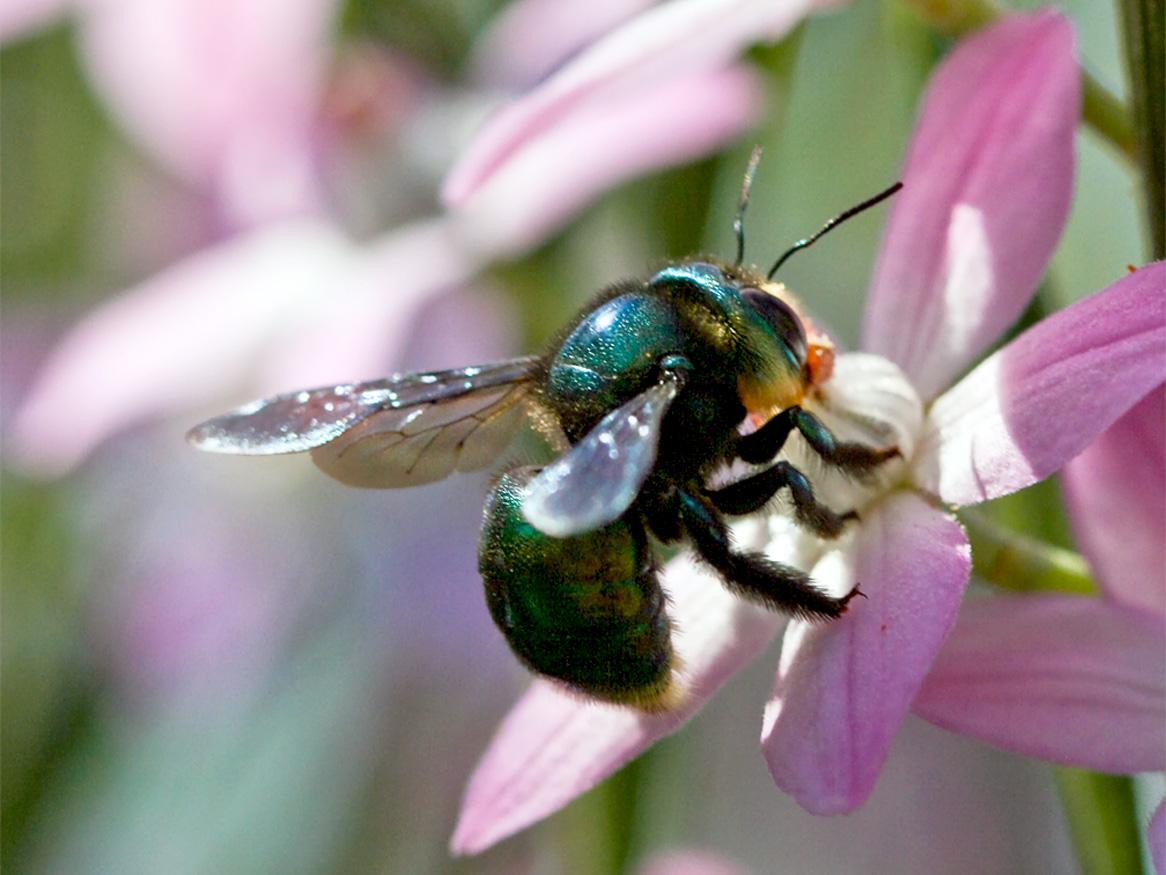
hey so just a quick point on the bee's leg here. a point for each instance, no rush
(765, 443)
(752, 493)
(752, 575)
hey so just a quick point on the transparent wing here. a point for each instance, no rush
(598, 478)
(400, 431)
(427, 442)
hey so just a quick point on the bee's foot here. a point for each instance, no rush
(845, 600)
(823, 522)
(861, 460)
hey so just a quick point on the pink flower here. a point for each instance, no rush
(548, 31)
(689, 862)
(1068, 679)
(988, 182)
(644, 96)
(21, 18)
(1118, 509)
(223, 94)
(289, 302)
(231, 98)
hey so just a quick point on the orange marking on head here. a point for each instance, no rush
(819, 354)
(820, 362)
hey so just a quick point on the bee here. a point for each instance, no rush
(646, 391)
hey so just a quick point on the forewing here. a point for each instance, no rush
(597, 479)
(291, 423)
(400, 431)
(426, 442)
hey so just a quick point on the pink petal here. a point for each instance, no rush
(180, 339)
(1031, 407)
(674, 39)
(1118, 508)
(1156, 833)
(367, 313)
(1068, 679)
(553, 747)
(221, 91)
(529, 38)
(21, 18)
(668, 123)
(988, 181)
(690, 863)
(290, 306)
(844, 687)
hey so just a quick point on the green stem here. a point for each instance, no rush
(1102, 821)
(1015, 561)
(598, 833)
(1100, 109)
(1144, 37)
(1107, 115)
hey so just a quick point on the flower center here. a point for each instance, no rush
(868, 399)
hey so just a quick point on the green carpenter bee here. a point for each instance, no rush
(645, 391)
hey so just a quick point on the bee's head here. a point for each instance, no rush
(755, 324)
(791, 334)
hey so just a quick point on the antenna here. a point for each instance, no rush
(739, 220)
(833, 223)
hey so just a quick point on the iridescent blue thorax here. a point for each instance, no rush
(612, 353)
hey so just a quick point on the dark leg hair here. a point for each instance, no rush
(765, 443)
(752, 493)
(755, 577)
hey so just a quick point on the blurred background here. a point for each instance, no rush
(228, 665)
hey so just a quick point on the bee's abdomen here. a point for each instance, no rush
(586, 610)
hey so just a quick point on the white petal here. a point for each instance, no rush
(869, 400)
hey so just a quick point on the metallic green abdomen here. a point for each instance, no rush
(586, 610)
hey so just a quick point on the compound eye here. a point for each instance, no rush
(781, 318)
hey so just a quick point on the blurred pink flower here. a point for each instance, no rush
(224, 94)
(548, 32)
(689, 863)
(233, 99)
(291, 301)
(21, 18)
(202, 577)
(600, 146)
(664, 88)
(962, 254)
